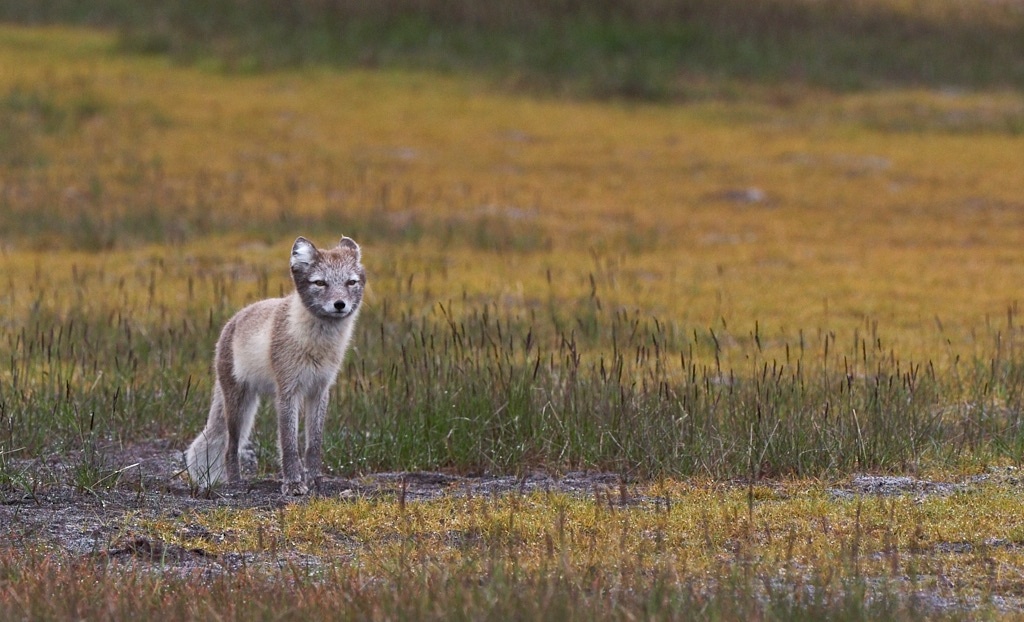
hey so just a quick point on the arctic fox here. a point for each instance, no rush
(291, 348)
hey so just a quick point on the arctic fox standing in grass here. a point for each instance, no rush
(291, 348)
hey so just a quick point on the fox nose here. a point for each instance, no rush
(339, 305)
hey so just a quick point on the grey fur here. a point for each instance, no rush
(291, 348)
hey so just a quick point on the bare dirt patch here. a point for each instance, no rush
(51, 504)
(62, 504)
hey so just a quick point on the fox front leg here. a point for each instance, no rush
(288, 445)
(316, 413)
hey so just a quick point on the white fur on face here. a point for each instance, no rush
(329, 309)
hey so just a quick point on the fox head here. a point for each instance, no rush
(329, 282)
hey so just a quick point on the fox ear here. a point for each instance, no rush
(303, 252)
(347, 242)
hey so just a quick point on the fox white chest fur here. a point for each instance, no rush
(318, 346)
(291, 348)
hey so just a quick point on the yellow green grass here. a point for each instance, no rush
(859, 224)
(792, 230)
(696, 527)
(784, 283)
(698, 550)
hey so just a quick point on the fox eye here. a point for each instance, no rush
(352, 282)
(320, 283)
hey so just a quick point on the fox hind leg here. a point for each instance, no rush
(240, 407)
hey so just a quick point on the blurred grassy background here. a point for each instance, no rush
(684, 242)
(795, 233)
(647, 49)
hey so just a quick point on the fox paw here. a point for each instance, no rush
(294, 489)
(247, 457)
(314, 480)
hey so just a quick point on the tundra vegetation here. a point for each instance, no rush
(702, 309)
